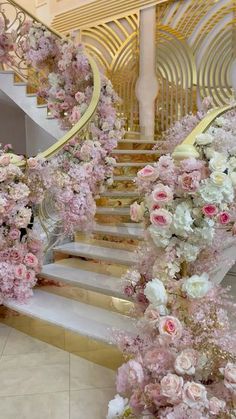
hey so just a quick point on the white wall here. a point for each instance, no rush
(12, 124)
(37, 140)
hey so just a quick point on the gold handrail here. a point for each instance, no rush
(90, 111)
(187, 149)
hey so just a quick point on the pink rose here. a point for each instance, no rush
(153, 393)
(209, 210)
(137, 402)
(161, 218)
(170, 326)
(60, 95)
(224, 217)
(14, 234)
(20, 271)
(33, 163)
(30, 275)
(216, 405)
(4, 160)
(162, 194)
(31, 260)
(129, 290)
(189, 182)
(75, 115)
(171, 387)
(185, 362)
(229, 373)
(194, 394)
(148, 173)
(136, 212)
(15, 256)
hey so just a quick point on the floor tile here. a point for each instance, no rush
(90, 404)
(20, 343)
(38, 406)
(34, 373)
(85, 374)
(4, 333)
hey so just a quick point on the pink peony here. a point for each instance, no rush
(170, 326)
(162, 194)
(224, 217)
(171, 387)
(209, 210)
(190, 182)
(31, 260)
(130, 375)
(194, 394)
(148, 173)
(161, 218)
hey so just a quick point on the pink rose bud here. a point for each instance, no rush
(224, 217)
(209, 210)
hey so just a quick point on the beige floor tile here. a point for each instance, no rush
(4, 333)
(38, 406)
(34, 373)
(20, 343)
(85, 374)
(90, 404)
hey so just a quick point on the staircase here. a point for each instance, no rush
(80, 300)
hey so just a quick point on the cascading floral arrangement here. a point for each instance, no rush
(182, 364)
(75, 176)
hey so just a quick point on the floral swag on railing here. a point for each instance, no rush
(182, 362)
(72, 178)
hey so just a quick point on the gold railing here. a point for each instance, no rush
(19, 16)
(187, 149)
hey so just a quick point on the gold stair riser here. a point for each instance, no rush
(112, 219)
(115, 202)
(92, 350)
(126, 171)
(92, 298)
(135, 158)
(125, 185)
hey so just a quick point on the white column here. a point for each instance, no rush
(147, 86)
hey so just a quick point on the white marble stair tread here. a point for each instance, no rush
(118, 151)
(86, 320)
(93, 281)
(129, 230)
(121, 211)
(136, 141)
(123, 178)
(122, 193)
(129, 164)
(92, 251)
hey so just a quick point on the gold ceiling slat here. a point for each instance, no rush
(98, 12)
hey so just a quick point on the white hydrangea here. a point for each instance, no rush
(160, 236)
(204, 139)
(220, 122)
(117, 407)
(182, 220)
(187, 251)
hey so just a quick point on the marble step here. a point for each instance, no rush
(120, 211)
(131, 164)
(88, 280)
(136, 141)
(134, 152)
(90, 251)
(123, 178)
(120, 194)
(129, 230)
(90, 321)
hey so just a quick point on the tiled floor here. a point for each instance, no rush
(39, 381)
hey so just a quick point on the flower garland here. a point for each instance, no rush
(183, 361)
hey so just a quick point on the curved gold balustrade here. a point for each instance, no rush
(187, 149)
(20, 16)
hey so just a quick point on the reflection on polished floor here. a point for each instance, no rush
(40, 381)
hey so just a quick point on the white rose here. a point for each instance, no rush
(156, 292)
(182, 220)
(197, 286)
(210, 193)
(194, 394)
(117, 407)
(218, 178)
(185, 362)
(218, 162)
(204, 139)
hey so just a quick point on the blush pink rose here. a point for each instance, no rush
(137, 402)
(209, 210)
(4, 160)
(15, 256)
(30, 275)
(161, 218)
(148, 173)
(170, 326)
(224, 217)
(185, 362)
(171, 387)
(194, 394)
(31, 260)
(190, 182)
(229, 373)
(14, 234)
(162, 194)
(20, 271)
(33, 163)
(216, 406)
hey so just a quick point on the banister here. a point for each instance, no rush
(90, 111)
